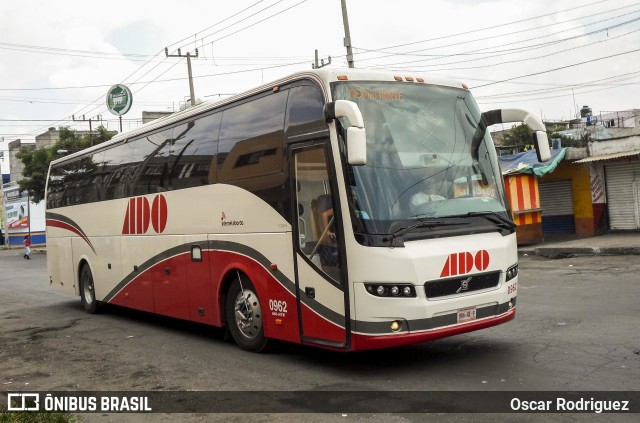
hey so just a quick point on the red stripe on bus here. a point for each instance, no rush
(194, 290)
(132, 216)
(139, 222)
(63, 225)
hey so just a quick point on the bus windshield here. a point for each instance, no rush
(420, 163)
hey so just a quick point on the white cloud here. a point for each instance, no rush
(146, 27)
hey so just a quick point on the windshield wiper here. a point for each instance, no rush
(422, 224)
(496, 218)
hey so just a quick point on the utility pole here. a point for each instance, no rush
(347, 34)
(317, 65)
(97, 118)
(191, 91)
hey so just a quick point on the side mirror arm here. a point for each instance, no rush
(492, 117)
(356, 134)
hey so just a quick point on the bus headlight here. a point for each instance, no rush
(403, 290)
(512, 272)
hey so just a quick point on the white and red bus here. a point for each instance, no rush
(324, 209)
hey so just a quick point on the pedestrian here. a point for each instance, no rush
(27, 247)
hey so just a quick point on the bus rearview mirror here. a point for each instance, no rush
(541, 142)
(356, 134)
(356, 146)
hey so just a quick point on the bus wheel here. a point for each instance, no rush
(244, 316)
(87, 291)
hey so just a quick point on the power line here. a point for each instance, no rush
(483, 51)
(156, 80)
(621, 77)
(87, 108)
(550, 97)
(260, 21)
(555, 69)
(487, 28)
(546, 55)
(218, 23)
(196, 40)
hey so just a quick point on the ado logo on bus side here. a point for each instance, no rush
(140, 215)
(463, 263)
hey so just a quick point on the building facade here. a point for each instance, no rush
(617, 161)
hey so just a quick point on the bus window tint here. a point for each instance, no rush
(150, 165)
(251, 138)
(116, 171)
(77, 180)
(191, 158)
(93, 181)
(251, 150)
(55, 187)
(305, 111)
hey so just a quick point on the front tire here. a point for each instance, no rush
(244, 316)
(87, 291)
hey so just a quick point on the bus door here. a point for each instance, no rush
(319, 249)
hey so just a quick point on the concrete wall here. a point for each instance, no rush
(47, 138)
(611, 146)
(15, 164)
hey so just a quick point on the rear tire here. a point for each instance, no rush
(87, 291)
(244, 319)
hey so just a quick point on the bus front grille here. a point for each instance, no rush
(461, 284)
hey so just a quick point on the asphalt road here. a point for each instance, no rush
(576, 330)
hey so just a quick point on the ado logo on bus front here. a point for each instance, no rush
(464, 262)
(140, 214)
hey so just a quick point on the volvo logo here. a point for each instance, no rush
(464, 285)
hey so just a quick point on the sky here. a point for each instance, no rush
(59, 59)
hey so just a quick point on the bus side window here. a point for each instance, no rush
(116, 162)
(55, 187)
(69, 190)
(91, 177)
(305, 111)
(150, 169)
(251, 138)
(193, 153)
(251, 151)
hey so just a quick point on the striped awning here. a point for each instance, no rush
(610, 156)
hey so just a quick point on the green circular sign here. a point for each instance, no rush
(119, 99)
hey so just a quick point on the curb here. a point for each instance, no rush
(560, 252)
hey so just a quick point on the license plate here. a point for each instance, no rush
(466, 314)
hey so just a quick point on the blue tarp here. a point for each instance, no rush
(527, 162)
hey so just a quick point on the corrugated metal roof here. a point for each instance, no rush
(610, 156)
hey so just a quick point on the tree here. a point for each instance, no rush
(519, 136)
(36, 162)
